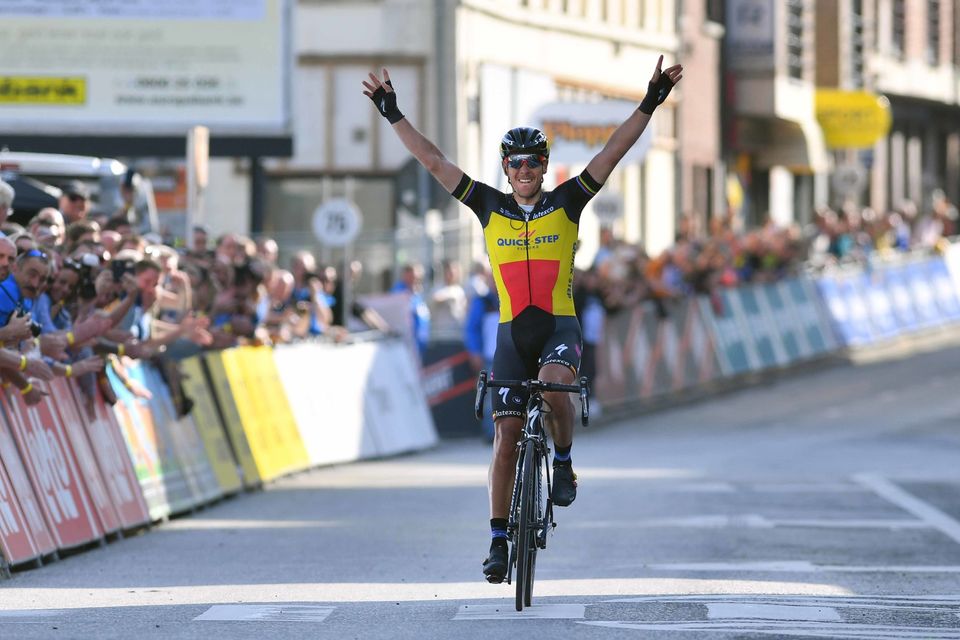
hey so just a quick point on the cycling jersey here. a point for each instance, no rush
(531, 254)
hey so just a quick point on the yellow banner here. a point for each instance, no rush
(852, 119)
(208, 424)
(220, 385)
(267, 418)
(42, 90)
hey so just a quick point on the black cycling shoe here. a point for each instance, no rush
(564, 485)
(495, 566)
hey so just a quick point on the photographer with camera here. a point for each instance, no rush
(17, 293)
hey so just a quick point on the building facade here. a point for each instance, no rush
(465, 72)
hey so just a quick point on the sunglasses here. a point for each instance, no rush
(516, 161)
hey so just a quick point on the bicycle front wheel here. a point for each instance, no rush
(527, 526)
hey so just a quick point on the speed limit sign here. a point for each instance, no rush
(337, 222)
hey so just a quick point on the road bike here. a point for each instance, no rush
(531, 511)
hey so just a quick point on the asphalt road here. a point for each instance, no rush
(825, 504)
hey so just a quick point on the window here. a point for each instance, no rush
(933, 32)
(856, 43)
(715, 10)
(795, 37)
(899, 28)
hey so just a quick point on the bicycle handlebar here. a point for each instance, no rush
(533, 385)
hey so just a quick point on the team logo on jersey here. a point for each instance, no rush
(561, 348)
(528, 239)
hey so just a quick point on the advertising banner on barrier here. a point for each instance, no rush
(736, 349)
(328, 401)
(766, 337)
(901, 301)
(267, 421)
(111, 453)
(227, 409)
(924, 298)
(883, 321)
(23, 490)
(209, 427)
(186, 442)
(450, 383)
(944, 291)
(788, 324)
(807, 306)
(645, 353)
(50, 463)
(16, 543)
(62, 408)
(162, 481)
(395, 406)
(847, 310)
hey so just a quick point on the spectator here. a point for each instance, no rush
(448, 303)
(7, 194)
(411, 282)
(75, 201)
(480, 335)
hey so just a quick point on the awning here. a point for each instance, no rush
(799, 146)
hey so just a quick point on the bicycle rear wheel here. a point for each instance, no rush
(526, 527)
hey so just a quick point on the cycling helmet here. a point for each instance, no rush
(524, 140)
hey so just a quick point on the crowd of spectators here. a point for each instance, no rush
(81, 291)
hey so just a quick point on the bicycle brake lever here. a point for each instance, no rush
(584, 403)
(481, 393)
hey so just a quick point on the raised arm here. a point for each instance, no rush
(427, 153)
(627, 134)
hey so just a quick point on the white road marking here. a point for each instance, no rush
(32, 613)
(910, 503)
(266, 613)
(806, 630)
(806, 487)
(750, 521)
(920, 617)
(508, 612)
(799, 566)
(763, 611)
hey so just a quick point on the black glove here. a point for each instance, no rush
(657, 92)
(387, 103)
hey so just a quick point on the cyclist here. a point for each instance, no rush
(530, 236)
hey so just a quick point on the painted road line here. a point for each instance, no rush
(265, 613)
(806, 487)
(804, 630)
(900, 603)
(910, 503)
(750, 521)
(765, 611)
(798, 566)
(885, 617)
(507, 612)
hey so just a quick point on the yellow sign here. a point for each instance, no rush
(42, 90)
(220, 386)
(852, 119)
(267, 418)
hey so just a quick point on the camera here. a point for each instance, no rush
(85, 268)
(35, 328)
(119, 268)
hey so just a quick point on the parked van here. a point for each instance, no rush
(38, 178)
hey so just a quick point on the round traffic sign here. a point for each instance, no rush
(337, 222)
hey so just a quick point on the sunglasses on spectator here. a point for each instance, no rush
(516, 161)
(75, 197)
